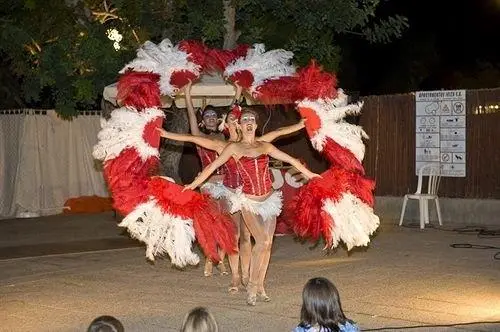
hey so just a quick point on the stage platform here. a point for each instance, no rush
(59, 273)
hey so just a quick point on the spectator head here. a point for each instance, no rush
(199, 320)
(105, 324)
(321, 304)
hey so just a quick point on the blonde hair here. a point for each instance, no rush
(199, 320)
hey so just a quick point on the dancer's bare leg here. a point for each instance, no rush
(234, 260)
(222, 266)
(245, 252)
(209, 267)
(263, 232)
(270, 227)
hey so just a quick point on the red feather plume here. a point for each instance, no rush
(244, 78)
(197, 52)
(310, 220)
(182, 77)
(282, 90)
(219, 59)
(131, 190)
(139, 89)
(213, 229)
(339, 156)
(313, 83)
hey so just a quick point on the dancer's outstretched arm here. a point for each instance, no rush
(193, 122)
(227, 153)
(205, 142)
(271, 136)
(280, 155)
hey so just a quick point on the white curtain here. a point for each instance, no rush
(45, 160)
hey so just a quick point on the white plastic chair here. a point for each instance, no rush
(423, 199)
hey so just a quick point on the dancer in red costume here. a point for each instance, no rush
(227, 189)
(258, 202)
(210, 125)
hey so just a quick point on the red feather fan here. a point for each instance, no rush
(197, 52)
(244, 78)
(139, 89)
(310, 220)
(339, 156)
(219, 59)
(212, 228)
(281, 90)
(182, 77)
(313, 83)
(130, 190)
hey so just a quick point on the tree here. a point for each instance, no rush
(60, 52)
(314, 29)
(65, 52)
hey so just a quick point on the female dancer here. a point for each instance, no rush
(210, 124)
(231, 182)
(259, 204)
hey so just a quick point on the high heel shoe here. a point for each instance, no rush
(233, 289)
(252, 300)
(262, 296)
(222, 269)
(208, 268)
(235, 282)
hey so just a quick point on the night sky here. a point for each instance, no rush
(449, 44)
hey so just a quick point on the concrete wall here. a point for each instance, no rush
(453, 211)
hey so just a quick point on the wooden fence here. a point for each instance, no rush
(390, 153)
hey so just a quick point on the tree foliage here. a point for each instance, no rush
(61, 53)
(314, 29)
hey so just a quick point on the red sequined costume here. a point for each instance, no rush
(232, 178)
(207, 157)
(256, 181)
(227, 187)
(255, 175)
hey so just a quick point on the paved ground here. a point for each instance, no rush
(51, 280)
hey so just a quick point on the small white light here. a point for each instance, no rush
(115, 36)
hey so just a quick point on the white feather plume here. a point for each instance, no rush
(353, 221)
(162, 233)
(332, 113)
(124, 130)
(263, 65)
(162, 59)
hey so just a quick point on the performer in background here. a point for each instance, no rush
(209, 129)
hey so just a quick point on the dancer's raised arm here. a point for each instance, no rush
(205, 142)
(271, 136)
(280, 155)
(227, 153)
(193, 122)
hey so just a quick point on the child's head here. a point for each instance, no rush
(199, 320)
(321, 304)
(105, 324)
